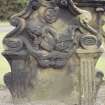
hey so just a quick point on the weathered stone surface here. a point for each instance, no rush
(52, 53)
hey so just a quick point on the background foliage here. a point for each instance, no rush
(10, 7)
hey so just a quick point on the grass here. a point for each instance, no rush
(101, 64)
(4, 23)
(4, 66)
(1, 38)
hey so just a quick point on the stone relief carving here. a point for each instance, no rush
(48, 35)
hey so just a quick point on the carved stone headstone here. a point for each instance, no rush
(53, 52)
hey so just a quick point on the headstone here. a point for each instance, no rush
(53, 52)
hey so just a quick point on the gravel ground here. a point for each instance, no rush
(6, 29)
(100, 100)
(6, 99)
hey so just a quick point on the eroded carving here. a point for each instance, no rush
(43, 39)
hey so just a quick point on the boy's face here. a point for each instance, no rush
(50, 15)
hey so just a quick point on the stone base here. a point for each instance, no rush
(4, 94)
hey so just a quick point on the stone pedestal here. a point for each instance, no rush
(88, 75)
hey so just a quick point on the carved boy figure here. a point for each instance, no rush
(36, 35)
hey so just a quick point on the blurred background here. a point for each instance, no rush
(7, 9)
(10, 7)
